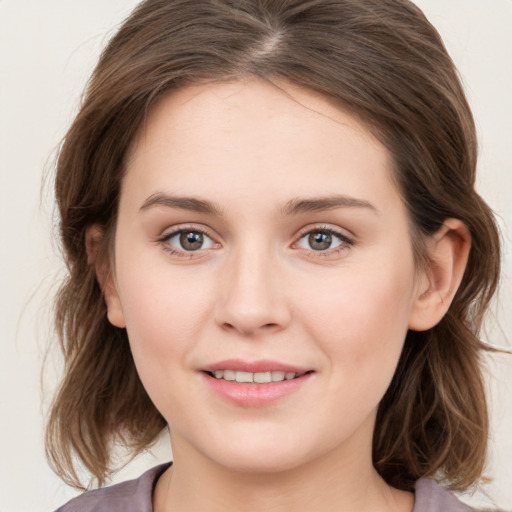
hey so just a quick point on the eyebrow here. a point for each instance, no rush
(316, 204)
(294, 206)
(183, 203)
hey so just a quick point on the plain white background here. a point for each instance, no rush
(47, 51)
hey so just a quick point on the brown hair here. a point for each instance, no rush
(383, 61)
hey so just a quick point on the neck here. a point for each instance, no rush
(328, 483)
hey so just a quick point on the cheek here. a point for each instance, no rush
(360, 321)
(164, 312)
(162, 329)
(163, 309)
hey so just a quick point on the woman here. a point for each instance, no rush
(276, 250)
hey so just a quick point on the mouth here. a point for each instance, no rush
(255, 383)
(268, 377)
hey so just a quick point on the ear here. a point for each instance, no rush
(448, 252)
(96, 257)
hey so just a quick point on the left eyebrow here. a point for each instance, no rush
(181, 203)
(316, 204)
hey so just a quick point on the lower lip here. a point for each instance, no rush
(255, 395)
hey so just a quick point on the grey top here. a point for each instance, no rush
(135, 496)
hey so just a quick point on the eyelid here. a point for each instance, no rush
(346, 240)
(342, 233)
(173, 231)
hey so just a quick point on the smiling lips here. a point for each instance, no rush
(258, 377)
(254, 384)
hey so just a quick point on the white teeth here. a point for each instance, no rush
(229, 375)
(277, 376)
(263, 377)
(244, 377)
(258, 377)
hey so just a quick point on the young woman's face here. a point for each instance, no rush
(260, 237)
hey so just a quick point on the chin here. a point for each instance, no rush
(276, 454)
(270, 462)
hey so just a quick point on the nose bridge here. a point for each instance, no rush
(252, 285)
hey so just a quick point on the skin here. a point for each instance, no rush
(257, 289)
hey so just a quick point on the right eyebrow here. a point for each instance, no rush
(181, 202)
(304, 205)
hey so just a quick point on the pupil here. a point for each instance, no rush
(191, 241)
(320, 241)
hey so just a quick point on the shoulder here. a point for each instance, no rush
(130, 496)
(431, 497)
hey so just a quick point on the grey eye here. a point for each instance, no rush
(188, 240)
(191, 240)
(320, 240)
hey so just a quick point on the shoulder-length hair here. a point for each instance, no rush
(384, 62)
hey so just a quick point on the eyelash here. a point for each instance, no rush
(345, 241)
(164, 241)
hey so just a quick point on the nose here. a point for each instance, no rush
(252, 296)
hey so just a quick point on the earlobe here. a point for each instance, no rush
(97, 258)
(448, 252)
(114, 310)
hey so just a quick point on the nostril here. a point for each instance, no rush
(248, 328)
(246, 318)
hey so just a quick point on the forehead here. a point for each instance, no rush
(262, 103)
(252, 135)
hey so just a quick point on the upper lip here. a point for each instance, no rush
(262, 365)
